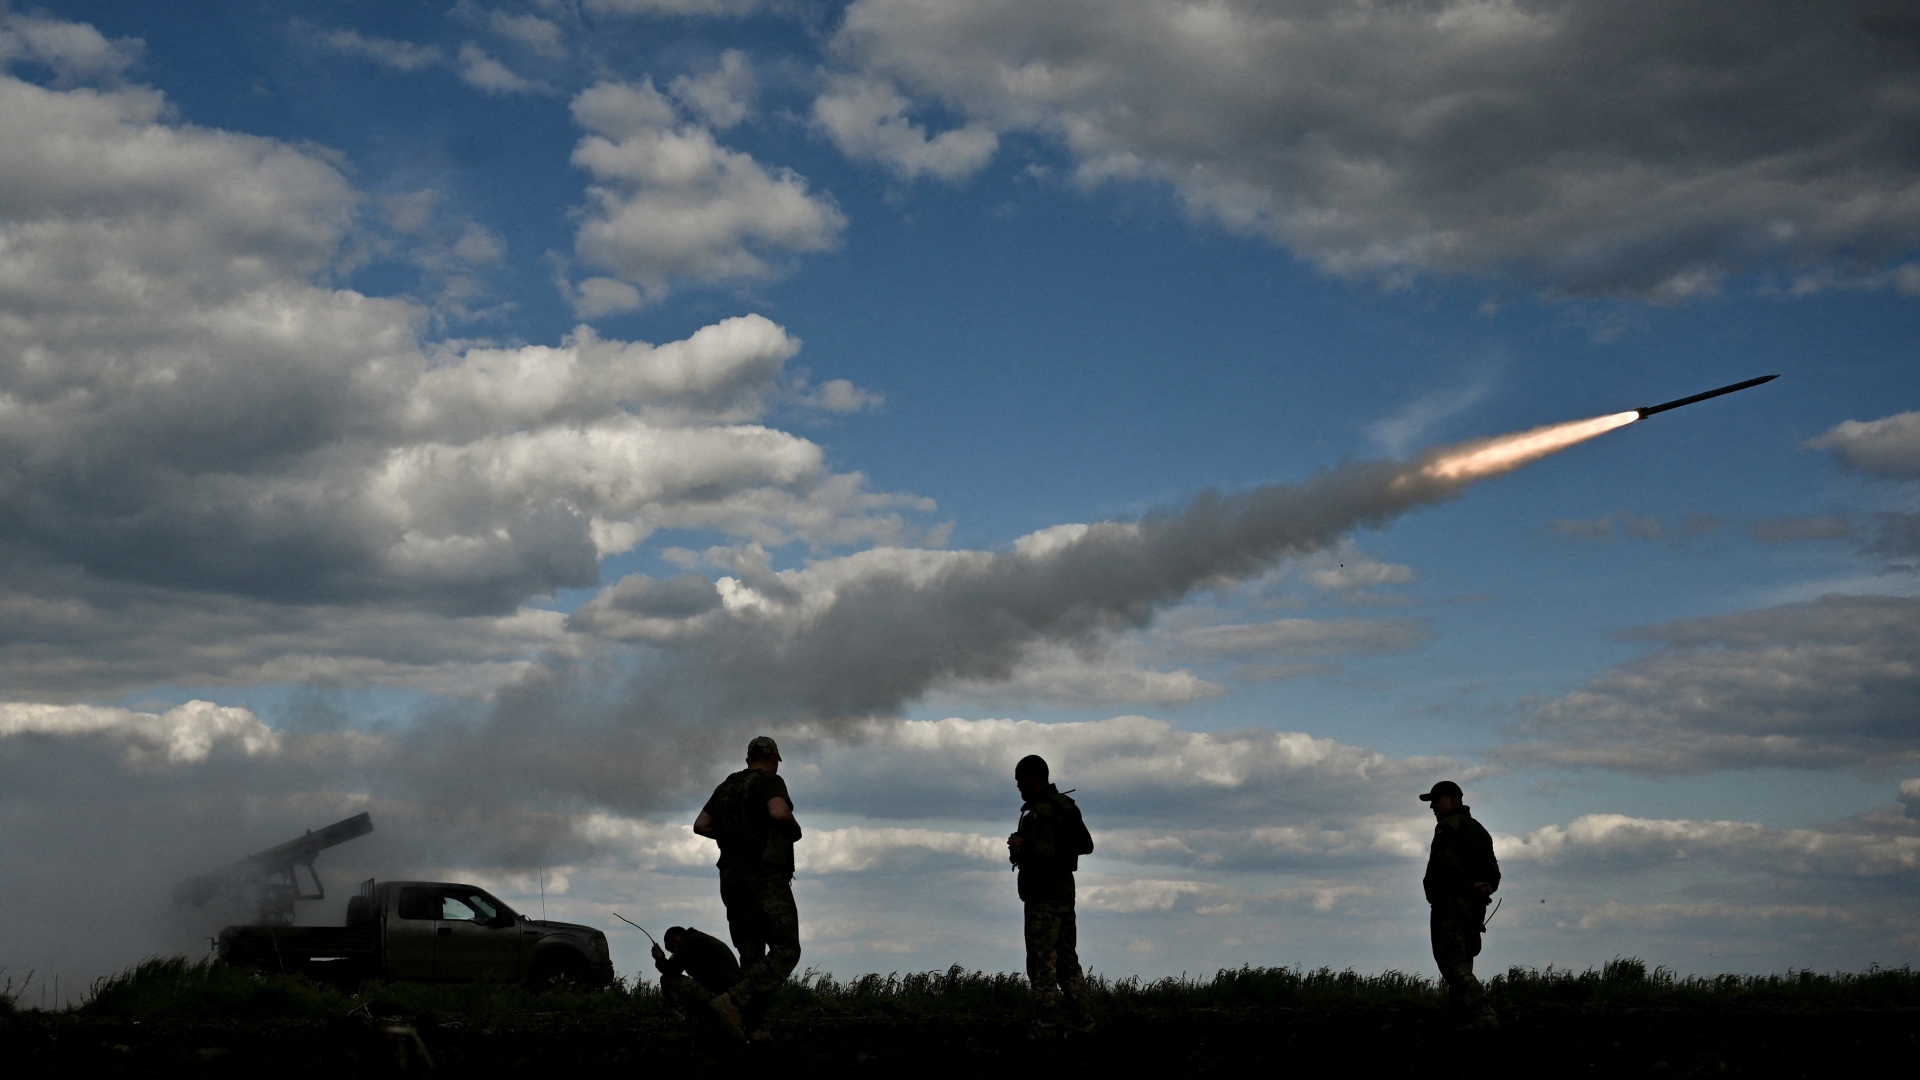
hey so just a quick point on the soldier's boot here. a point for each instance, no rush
(1046, 1012)
(729, 1014)
(1079, 1021)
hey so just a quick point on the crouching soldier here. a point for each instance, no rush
(1046, 850)
(700, 968)
(1461, 877)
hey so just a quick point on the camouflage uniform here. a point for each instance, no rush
(699, 970)
(756, 885)
(1462, 854)
(1046, 887)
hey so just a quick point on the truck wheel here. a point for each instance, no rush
(559, 969)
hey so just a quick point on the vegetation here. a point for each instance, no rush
(178, 987)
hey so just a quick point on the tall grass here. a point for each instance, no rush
(178, 987)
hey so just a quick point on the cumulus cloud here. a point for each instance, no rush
(1642, 149)
(670, 203)
(867, 119)
(1826, 683)
(1889, 446)
(73, 51)
(723, 96)
(542, 36)
(203, 439)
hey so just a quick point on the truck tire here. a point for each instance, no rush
(559, 969)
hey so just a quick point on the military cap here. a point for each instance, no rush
(763, 747)
(1444, 787)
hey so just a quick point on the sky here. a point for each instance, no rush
(490, 416)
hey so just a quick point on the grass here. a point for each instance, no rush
(175, 987)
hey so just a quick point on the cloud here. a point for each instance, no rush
(75, 52)
(1635, 149)
(1612, 839)
(1803, 529)
(1889, 446)
(722, 97)
(670, 203)
(1628, 524)
(543, 36)
(398, 55)
(666, 8)
(1823, 684)
(219, 467)
(1311, 637)
(1064, 676)
(482, 72)
(184, 733)
(867, 120)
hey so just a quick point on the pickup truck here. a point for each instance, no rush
(427, 931)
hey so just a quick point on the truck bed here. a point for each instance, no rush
(311, 950)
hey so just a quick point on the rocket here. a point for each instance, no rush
(1651, 409)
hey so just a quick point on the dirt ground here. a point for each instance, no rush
(1389, 1041)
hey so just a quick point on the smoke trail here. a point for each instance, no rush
(863, 635)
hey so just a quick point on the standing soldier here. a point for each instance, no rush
(1461, 875)
(751, 816)
(1046, 850)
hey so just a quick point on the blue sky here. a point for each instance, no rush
(327, 407)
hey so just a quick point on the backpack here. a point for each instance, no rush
(1074, 839)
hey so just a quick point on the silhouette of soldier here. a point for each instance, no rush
(1461, 877)
(701, 968)
(751, 816)
(1046, 850)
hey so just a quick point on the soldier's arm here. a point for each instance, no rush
(781, 811)
(703, 825)
(1487, 867)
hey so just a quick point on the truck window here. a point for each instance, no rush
(452, 909)
(419, 902)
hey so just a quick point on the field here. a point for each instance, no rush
(173, 1017)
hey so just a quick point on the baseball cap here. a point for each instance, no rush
(1444, 787)
(763, 747)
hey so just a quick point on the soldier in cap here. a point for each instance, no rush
(751, 816)
(1461, 876)
(700, 968)
(1046, 850)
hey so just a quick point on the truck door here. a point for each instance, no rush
(479, 937)
(412, 926)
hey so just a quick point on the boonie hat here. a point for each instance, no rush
(763, 747)
(1444, 787)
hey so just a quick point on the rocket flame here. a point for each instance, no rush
(1482, 458)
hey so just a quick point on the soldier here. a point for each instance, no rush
(700, 968)
(1461, 875)
(1046, 850)
(751, 816)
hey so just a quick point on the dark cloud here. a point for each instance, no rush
(1826, 683)
(1644, 148)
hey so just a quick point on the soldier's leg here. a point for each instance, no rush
(745, 924)
(1043, 971)
(1456, 940)
(1072, 980)
(685, 995)
(780, 940)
